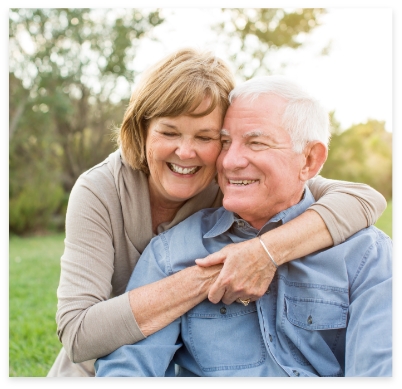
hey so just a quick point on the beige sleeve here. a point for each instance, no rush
(345, 207)
(91, 325)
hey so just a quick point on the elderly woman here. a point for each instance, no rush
(162, 173)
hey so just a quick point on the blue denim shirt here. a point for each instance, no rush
(326, 314)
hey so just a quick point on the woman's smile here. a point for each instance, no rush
(182, 170)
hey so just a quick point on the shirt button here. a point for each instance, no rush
(270, 337)
(223, 310)
(268, 291)
(240, 223)
(296, 373)
(310, 320)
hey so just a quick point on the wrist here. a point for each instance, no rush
(204, 277)
(271, 258)
(277, 255)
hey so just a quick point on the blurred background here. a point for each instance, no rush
(71, 72)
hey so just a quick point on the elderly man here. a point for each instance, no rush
(327, 314)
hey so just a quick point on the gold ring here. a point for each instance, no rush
(245, 302)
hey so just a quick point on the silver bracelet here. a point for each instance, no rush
(266, 250)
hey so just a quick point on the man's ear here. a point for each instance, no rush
(315, 154)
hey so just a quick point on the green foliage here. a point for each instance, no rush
(33, 207)
(70, 72)
(34, 271)
(362, 153)
(261, 31)
(384, 223)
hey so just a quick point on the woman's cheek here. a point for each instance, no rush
(214, 152)
(152, 146)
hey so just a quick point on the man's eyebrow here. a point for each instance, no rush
(225, 132)
(254, 134)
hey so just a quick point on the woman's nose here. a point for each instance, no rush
(186, 149)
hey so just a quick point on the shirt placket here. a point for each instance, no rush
(267, 323)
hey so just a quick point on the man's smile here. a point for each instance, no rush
(242, 182)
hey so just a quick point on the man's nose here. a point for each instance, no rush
(186, 149)
(234, 158)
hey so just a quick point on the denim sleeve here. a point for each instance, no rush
(369, 331)
(151, 357)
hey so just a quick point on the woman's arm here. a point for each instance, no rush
(90, 323)
(158, 304)
(342, 209)
(346, 207)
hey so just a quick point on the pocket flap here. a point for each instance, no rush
(316, 314)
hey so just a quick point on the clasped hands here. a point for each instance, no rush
(247, 272)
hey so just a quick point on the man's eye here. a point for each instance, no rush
(258, 146)
(225, 143)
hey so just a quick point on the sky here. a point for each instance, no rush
(354, 79)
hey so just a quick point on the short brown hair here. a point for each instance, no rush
(174, 86)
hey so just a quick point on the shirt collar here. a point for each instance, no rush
(228, 218)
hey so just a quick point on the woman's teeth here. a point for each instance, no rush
(183, 170)
(242, 182)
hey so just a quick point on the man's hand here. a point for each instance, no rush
(247, 272)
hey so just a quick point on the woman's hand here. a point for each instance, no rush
(247, 272)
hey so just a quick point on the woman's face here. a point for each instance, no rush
(181, 153)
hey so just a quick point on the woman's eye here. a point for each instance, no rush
(169, 134)
(204, 138)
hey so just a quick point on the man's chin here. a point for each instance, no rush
(233, 205)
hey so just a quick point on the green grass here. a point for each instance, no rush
(384, 223)
(34, 270)
(33, 279)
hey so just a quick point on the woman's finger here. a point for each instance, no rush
(211, 259)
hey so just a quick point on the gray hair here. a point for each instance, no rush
(304, 118)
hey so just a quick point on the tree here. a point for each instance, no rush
(70, 76)
(255, 34)
(362, 153)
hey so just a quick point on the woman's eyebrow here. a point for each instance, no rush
(168, 125)
(174, 127)
(209, 130)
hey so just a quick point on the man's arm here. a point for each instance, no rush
(369, 331)
(152, 356)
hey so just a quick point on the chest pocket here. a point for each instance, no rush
(225, 337)
(313, 328)
(316, 314)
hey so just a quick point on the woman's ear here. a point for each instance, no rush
(315, 154)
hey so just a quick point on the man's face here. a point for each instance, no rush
(258, 171)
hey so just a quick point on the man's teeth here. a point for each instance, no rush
(241, 182)
(183, 170)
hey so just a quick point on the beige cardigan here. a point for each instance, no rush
(108, 225)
